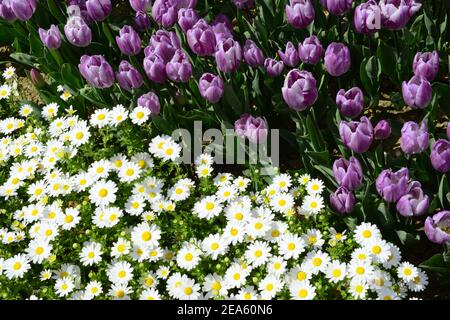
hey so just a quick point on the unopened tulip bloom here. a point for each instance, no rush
(367, 17)
(243, 4)
(357, 136)
(78, 32)
(253, 55)
(97, 71)
(273, 67)
(78, 8)
(187, 18)
(290, 56)
(417, 92)
(255, 129)
(382, 130)
(299, 13)
(51, 38)
(201, 39)
(222, 28)
(179, 69)
(211, 87)
(310, 51)
(440, 155)
(165, 12)
(414, 139)
(348, 173)
(299, 89)
(437, 228)
(128, 77)
(426, 65)
(6, 11)
(98, 10)
(337, 59)
(391, 185)
(36, 78)
(141, 5)
(155, 68)
(141, 21)
(23, 9)
(394, 14)
(337, 7)
(350, 103)
(163, 44)
(150, 101)
(128, 41)
(228, 55)
(343, 200)
(414, 203)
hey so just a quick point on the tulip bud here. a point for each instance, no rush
(201, 39)
(343, 200)
(78, 32)
(187, 18)
(50, 38)
(36, 78)
(23, 9)
(348, 173)
(299, 89)
(417, 92)
(128, 77)
(6, 11)
(253, 55)
(150, 101)
(141, 21)
(299, 13)
(273, 67)
(414, 138)
(350, 103)
(382, 130)
(310, 51)
(165, 12)
(228, 55)
(211, 87)
(391, 186)
(128, 41)
(440, 155)
(357, 136)
(179, 69)
(97, 71)
(98, 10)
(426, 65)
(337, 59)
(290, 56)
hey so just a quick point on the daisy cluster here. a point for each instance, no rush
(82, 218)
(8, 89)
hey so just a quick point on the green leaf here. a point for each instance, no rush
(24, 58)
(443, 190)
(370, 75)
(437, 264)
(388, 61)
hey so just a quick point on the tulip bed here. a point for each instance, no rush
(93, 204)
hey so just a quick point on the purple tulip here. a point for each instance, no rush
(228, 55)
(417, 92)
(299, 89)
(440, 155)
(299, 13)
(414, 139)
(163, 44)
(348, 173)
(141, 21)
(51, 38)
(255, 129)
(367, 18)
(150, 101)
(128, 77)
(343, 200)
(290, 56)
(190, 4)
(179, 69)
(23, 9)
(448, 130)
(211, 87)
(426, 65)
(78, 32)
(141, 5)
(382, 130)
(391, 186)
(155, 68)
(201, 39)
(437, 228)
(253, 55)
(337, 59)
(394, 14)
(222, 28)
(97, 71)
(36, 78)
(78, 8)
(6, 11)
(243, 4)
(350, 103)
(337, 7)
(165, 12)
(98, 10)
(414, 6)
(273, 67)
(414, 203)
(310, 51)
(357, 136)
(187, 18)
(128, 41)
